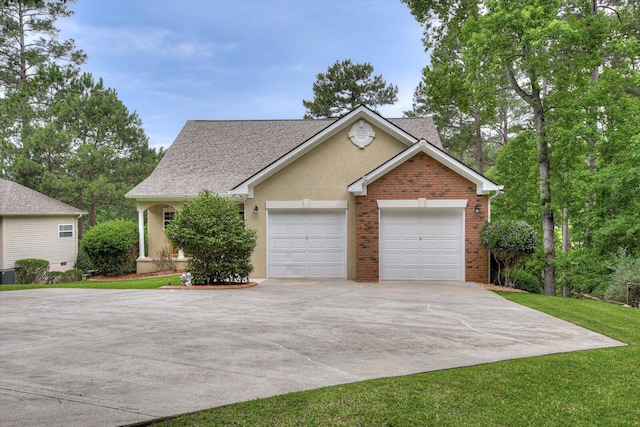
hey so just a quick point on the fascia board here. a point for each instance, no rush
(483, 185)
(246, 188)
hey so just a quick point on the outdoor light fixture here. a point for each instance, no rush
(477, 208)
(255, 210)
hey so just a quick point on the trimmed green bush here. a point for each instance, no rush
(83, 262)
(210, 229)
(526, 281)
(112, 247)
(510, 242)
(31, 271)
(55, 277)
(72, 276)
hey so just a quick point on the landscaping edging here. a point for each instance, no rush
(212, 287)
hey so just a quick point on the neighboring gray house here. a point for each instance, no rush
(33, 225)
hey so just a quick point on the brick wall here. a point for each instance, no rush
(419, 177)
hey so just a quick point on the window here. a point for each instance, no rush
(168, 215)
(65, 230)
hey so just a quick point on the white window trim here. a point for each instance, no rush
(65, 231)
(165, 210)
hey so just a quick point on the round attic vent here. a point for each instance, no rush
(361, 134)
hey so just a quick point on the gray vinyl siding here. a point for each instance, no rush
(1, 243)
(37, 237)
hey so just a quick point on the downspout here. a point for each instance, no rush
(499, 192)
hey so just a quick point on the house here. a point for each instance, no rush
(360, 197)
(33, 225)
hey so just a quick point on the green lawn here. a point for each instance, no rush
(150, 283)
(586, 388)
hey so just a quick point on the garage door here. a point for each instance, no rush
(422, 244)
(307, 243)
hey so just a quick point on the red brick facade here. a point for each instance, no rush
(419, 177)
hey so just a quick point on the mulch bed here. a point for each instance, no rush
(210, 287)
(490, 287)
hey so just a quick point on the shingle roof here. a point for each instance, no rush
(217, 155)
(16, 199)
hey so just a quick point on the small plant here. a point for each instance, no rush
(32, 271)
(164, 261)
(211, 231)
(526, 281)
(112, 247)
(510, 242)
(72, 276)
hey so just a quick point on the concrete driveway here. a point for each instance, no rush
(79, 357)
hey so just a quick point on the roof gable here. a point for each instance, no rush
(229, 156)
(245, 188)
(16, 199)
(483, 185)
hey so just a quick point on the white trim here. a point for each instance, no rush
(307, 204)
(422, 203)
(73, 227)
(483, 185)
(246, 188)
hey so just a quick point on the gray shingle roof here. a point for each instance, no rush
(16, 199)
(217, 155)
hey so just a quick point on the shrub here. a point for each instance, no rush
(55, 277)
(510, 242)
(210, 229)
(72, 276)
(31, 271)
(83, 262)
(586, 271)
(112, 247)
(626, 269)
(526, 281)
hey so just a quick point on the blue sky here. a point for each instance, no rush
(172, 61)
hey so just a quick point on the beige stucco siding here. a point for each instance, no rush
(37, 237)
(320, 175)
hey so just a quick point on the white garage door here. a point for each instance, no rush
(307, 243)
(422, 244)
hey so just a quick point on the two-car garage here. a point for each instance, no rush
(414, 243)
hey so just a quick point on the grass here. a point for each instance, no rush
(150, 283)
(585, 388)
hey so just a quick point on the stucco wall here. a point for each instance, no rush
(322, 174)
(420, 177)
(37, 237)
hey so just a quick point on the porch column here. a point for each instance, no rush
(141, 232)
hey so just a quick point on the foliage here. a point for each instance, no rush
(112, 247)
(626, 269)
(210, 229)
(526, 281)
(72, 276)
(31, 270)
(83, 263)
(55, 277)
(75, 141)
(510, 242)
(344, 87)
(29, 39)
